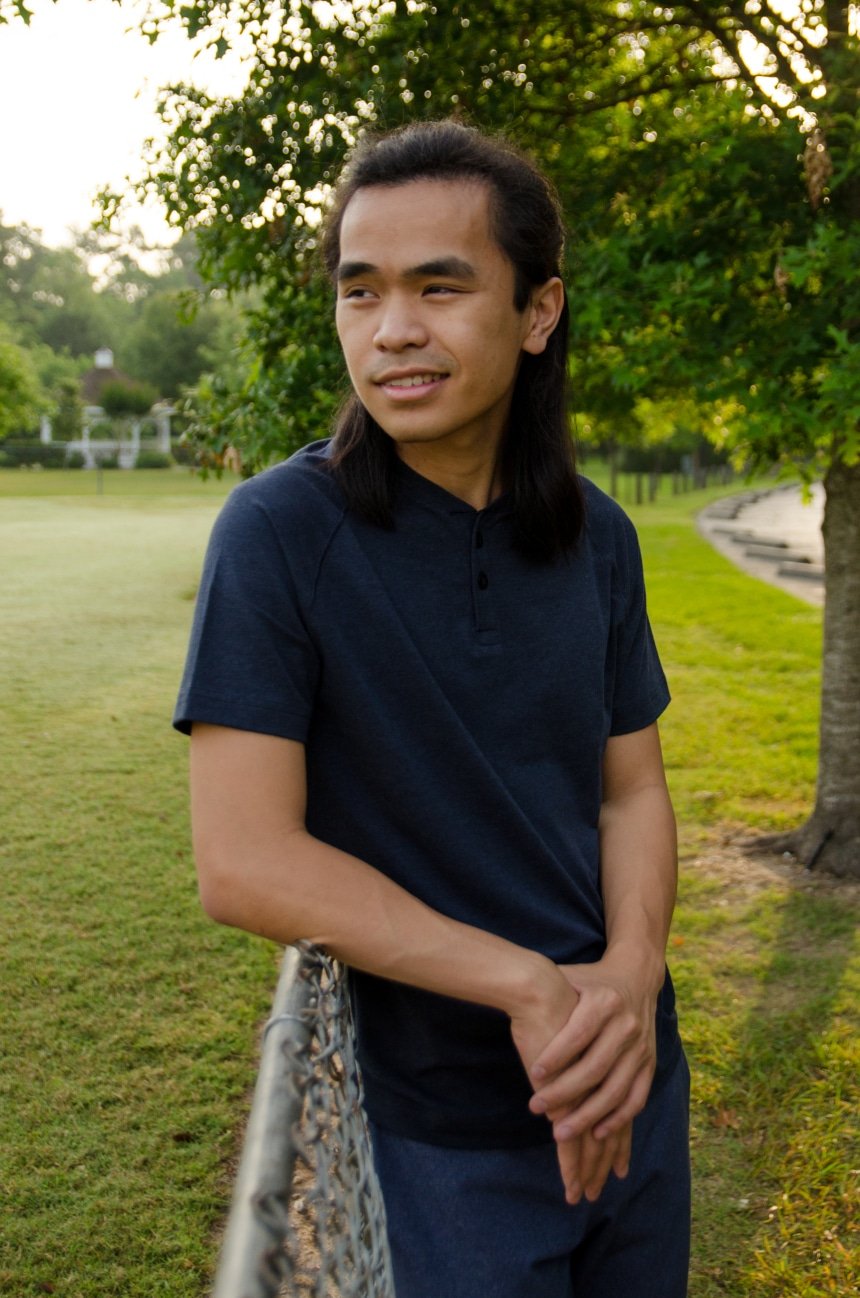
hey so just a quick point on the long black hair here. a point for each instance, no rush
(537, 451)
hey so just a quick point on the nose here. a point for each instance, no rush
(399, 325)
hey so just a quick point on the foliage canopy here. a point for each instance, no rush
(708, 156)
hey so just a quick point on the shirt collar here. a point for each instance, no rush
(415, 488)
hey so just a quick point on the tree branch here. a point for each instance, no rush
(728, 37)
(584, 107)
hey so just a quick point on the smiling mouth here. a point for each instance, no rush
(413, 381)
(407, 385)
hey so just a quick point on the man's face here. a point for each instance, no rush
(425, 313)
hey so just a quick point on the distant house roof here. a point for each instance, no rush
(96, 379)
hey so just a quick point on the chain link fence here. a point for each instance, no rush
(307, 1219)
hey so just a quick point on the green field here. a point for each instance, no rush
(129, 1025)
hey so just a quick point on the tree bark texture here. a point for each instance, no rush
(830, 839)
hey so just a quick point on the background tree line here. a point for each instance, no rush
(58, 305)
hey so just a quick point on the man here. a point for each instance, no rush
(423, 694)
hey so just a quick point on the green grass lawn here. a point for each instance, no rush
(129, 1019)
(129, 1025)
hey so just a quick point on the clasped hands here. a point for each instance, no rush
(589, 1049)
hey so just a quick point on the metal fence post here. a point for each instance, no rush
(259, 1209)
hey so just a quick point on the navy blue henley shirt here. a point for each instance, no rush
(455, 701)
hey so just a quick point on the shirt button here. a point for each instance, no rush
(483, 581)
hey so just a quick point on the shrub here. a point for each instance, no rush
(48, 455)
(106, 461)
(106, 430)
(75, 460)
(68, 414)
(148, 459)
(127, 398)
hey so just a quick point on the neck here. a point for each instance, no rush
(473, 476)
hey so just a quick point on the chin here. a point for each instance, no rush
(411, 436)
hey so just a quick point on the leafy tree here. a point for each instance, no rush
(709, 157)
(47, 294)
(168, 326)
(171, 342)
(20, 396)
(56, 368)
(68, 415)
(125, 404)
(728, 269)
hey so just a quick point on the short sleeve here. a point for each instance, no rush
(640, 692)
(251, 664)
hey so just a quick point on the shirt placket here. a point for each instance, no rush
(481, 570)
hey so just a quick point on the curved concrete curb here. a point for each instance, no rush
(772, 535)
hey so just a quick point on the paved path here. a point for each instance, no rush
(772, 535)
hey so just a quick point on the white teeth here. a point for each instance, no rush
(415, 381)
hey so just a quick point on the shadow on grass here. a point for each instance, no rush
(785, 1116)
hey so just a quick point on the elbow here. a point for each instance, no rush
(221, 880)
(217, 894)
(241, 893)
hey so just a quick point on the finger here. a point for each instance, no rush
(571, 1102)
(637, 1098)
(621, 1161)
(609, 1106)
(600, 1160)
(587, 1022)
(569, 1157)
(568, 1088)
(621, 1039)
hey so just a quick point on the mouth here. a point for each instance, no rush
(411, 385)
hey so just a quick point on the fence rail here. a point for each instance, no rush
(307, 1218)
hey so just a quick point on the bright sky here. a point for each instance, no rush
(77, 97)
(77, 100)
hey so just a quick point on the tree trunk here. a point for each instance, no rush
(830, 839)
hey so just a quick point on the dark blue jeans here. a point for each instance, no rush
(467, 1223)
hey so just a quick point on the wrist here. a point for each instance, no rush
(535, 981)
(639, 960)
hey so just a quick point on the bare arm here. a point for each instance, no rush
(260, 870)
(611, 1034)
(638, 853)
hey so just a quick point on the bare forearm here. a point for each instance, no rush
(638, 855)
(301, 888)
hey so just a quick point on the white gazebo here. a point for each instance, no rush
(93, 383)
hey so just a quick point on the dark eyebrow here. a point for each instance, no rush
(445, 267)
(353, 270)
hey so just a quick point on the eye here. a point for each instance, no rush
(355, 294)
(440, 289)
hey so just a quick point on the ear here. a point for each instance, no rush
(542, 315)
